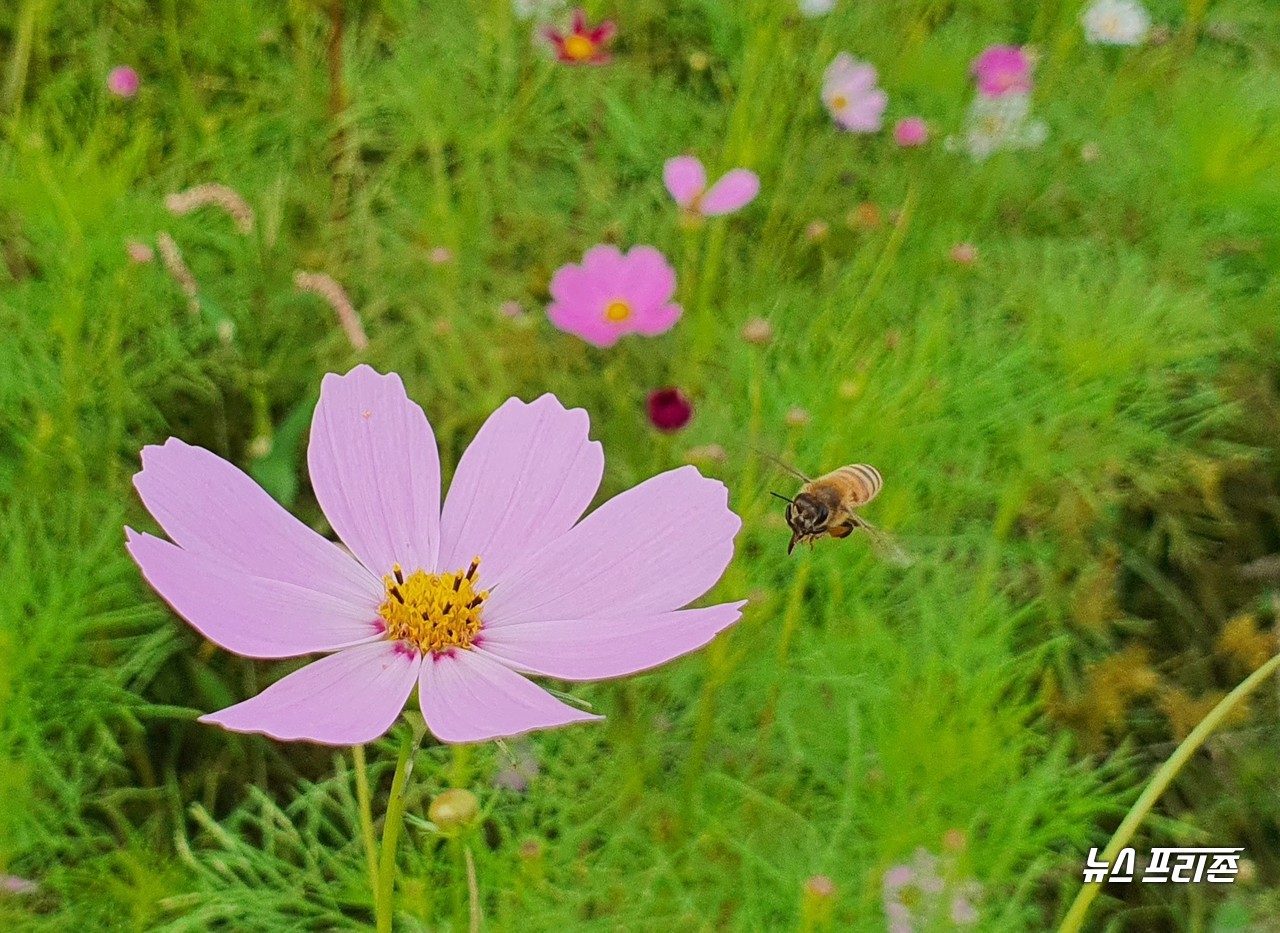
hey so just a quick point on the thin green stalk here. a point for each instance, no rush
(1160, 780)
(473, 893)
(20, 59)
(383, 903)
(366, 820)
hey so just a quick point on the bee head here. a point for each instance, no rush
(807, 515)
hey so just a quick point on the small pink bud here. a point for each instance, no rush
(910, 132)
(123, 81)
(139, 252)
(757, 331)
(964, 253)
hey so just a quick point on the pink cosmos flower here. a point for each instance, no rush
(123, 81)
(1002, 69)
(910, 132)
(610, 295)
(851, 96)
(583, 44)
(686, 179)
(669, 409)
(460, 601)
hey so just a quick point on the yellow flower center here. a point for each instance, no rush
(579, 47)
(433, 611)
(617, 311)
(839, 102)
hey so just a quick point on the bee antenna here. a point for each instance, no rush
(780, 496)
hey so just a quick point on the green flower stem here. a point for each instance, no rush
(1161, 780)
(366, 820)
(391, 830)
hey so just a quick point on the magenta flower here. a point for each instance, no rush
(910, 132)
(1002, 69)
(686, 179)
(851, 96)
(460, 602)
(610, 295)
(583, 44)
(669, 409)
(123, 81)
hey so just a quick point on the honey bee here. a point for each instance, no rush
(825, 506)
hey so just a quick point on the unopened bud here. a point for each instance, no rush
(453, 810)
(817, 904)
(757, 331)
(797, 417)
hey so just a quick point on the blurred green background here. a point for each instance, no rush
(1078, 434)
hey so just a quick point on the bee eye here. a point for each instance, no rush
(821, 513)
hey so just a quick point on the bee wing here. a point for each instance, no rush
(886, 548)
(786, 466)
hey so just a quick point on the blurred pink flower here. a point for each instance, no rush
(459, 602)
(966, 254)
(12, 884)
(1002, 69)
(583, 44)
(686, 179)
(123, 81)
(850, 94)
(910, 132)
(669, 409)
(610, 295)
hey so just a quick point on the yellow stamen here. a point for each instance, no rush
(433, 611)
(617, 311)
(579, 47)
(839, 102)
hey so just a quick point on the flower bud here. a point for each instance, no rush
(757, 331)
(453, 810)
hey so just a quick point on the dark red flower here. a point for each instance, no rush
(583, 45)
(669, 409)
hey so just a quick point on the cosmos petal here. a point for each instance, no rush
(650, 549)
(647, 280)
(528, 475)
(257, 617)
(595, 649)
(685, 179)
(467, 697)
(735, 190)
(213, 510)
(376, 471)
(347, 698)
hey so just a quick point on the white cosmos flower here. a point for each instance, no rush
(1116, 22)
(996, 123)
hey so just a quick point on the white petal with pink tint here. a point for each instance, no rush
(595, 649)
(347, 698)
(214, 510)
(376, 472)
(736, 189)
(467, 697)
(528, 475)
(685, 179)
(254, 616)
(650, 549)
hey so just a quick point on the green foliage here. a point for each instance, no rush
(1077, 434)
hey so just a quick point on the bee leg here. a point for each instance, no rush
(841, 531)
